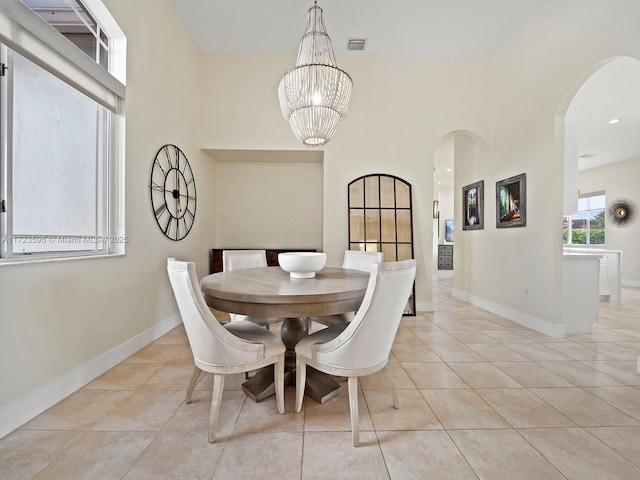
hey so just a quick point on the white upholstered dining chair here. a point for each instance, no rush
(362, 346)
(236, 347)
(354, 260)
(238, 260)
(357, 260)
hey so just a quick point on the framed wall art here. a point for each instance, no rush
(448, 231)
(511, 202)
(473, 206)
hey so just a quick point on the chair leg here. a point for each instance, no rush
(387, 375)
(216, 400)
(301, 380)
(353, 408)
(279, 379)
(192, 383)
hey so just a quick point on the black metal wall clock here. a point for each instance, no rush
(173, 192)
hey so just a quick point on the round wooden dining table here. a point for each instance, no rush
(271, 292)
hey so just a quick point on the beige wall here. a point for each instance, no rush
(471, 246)
(399, 112)
(268, 205)
(59, 316)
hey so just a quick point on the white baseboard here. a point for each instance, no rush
(424, 307)
(630, 283)
(32, 405)
(555, 330)
(440, 274)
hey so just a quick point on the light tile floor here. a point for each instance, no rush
(480, 397)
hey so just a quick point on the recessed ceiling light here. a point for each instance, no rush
(448, 169)
(613, 120)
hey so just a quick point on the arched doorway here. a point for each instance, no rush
(458, 159)
(600, 119)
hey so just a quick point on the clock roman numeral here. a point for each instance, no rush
(168, 155)
(177, 150)
(164, 172)
(160, 210)
(166, 228)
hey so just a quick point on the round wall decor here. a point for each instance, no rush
(173, 192)
(622, 212)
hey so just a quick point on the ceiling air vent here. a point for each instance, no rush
(356, 43)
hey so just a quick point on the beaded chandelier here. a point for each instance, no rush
(315, 94)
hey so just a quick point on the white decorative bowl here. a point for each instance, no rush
(302, 264)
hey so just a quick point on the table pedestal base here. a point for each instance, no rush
(320, 386)
(261, 385)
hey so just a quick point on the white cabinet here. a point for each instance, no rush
(580, 292)
(610, 282)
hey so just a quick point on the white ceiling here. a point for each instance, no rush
(408, 28)
(462, 29)
(611, 92)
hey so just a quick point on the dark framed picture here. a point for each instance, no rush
(473, 206)
(448, 231)
(511, 202)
